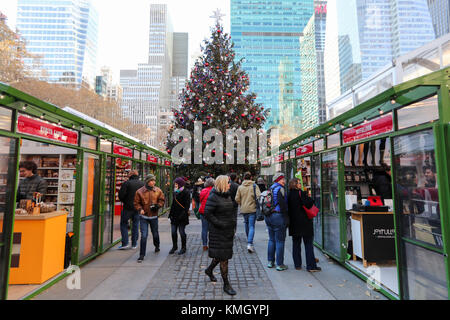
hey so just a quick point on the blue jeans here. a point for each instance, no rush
(124, 218)
(249, 219)
(277, 235)
(309, 252)
(181, 229)
(144, 234)
(204, 229)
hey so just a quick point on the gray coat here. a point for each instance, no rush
(29, 185)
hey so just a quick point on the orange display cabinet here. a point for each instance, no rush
(38, 247)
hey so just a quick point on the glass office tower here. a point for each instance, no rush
(65, 35)
(363, 36)
(266, 33)
(312, 45)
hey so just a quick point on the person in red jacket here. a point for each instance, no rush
(204, 194)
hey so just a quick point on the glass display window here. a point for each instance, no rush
(105, 146)
(318, 145)
(315, 190)
(88, 141)
(7, 177)
(330, 203)
(5, 119)
(333, 140)
(417, 200)
(417, 113)
(424, 274)
(109, 197)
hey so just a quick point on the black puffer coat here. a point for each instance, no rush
(179, 215)
(299, 223)
(222, 220)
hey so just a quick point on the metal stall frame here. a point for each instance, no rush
(392, 100)
(21, 103)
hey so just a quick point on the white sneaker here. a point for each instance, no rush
(124, 247)
(250, 248)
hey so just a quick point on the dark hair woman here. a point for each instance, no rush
(222, 220)
(300, 226)
(179, 214)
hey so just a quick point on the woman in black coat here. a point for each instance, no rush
(179, 214)
(300, 226)
(222, 220)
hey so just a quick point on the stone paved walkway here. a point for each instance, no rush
(182, 277)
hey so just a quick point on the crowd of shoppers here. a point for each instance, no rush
(217, 202)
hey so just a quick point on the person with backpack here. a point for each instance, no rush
(204, 194)
(300, 226)
(277, 219)
(246, 197)
(179, 214)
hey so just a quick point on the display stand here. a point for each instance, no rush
(373, 236)
(38, 247)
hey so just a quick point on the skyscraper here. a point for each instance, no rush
(149, 91)
(266, 33)
(440, 15)
(312, 45)
(363, 36)
(65, 34)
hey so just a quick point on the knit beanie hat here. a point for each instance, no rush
(278, 176)
(180, 182)
(149, 178)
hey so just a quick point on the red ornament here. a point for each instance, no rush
(243, 115)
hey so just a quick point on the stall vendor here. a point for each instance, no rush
(382, 183)
(32, 182)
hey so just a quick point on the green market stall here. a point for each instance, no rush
(83, 163)
(380, 175)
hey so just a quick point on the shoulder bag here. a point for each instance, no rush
(312, 212)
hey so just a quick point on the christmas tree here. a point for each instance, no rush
(216, 96)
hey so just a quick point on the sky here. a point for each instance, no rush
(123, 27)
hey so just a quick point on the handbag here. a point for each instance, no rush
(259, 215)
(311, 212)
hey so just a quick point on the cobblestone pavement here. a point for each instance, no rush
(183, 277)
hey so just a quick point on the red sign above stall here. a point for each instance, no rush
(371, 128)
(152, 159)
(265, 163)
(167, 163)
(279, 158)
(46, 130)
(306, 149)
(123, 151)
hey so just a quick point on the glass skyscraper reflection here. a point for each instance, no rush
(266, 33)
(363, 36)
(65, 35)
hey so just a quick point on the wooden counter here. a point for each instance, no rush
(373, 236)
(38, 247)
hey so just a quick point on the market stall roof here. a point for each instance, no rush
(67, 117)
(399, 95)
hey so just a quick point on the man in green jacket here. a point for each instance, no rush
(246, 196)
